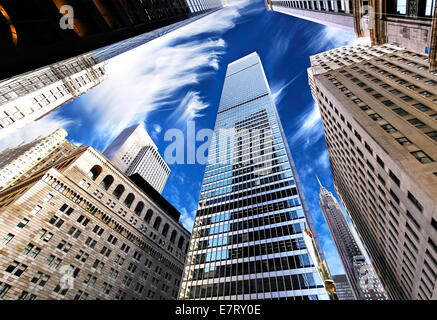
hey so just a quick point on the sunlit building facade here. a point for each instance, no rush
(133, 151)
(247, 240)
(379, 112)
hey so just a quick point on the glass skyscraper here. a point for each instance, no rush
(247, 240)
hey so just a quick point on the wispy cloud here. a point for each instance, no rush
(310, 127)
(323, 159)
(332, 37)
(278, 92)
(189, 108)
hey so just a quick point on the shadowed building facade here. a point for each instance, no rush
(408, 24)
(379, 114)
(343, 288)
(83, 230)
(32, 35)
(248, 235)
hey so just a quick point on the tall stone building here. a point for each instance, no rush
(352, 259)
(38, 33)
(133, 151)
(248, 235)
(408, 24)
(83, 230)
(19, 163)
(379, 113)
(33, 95)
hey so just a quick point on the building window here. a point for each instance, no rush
(118, 191)
(401, 112)
(432, 135)
(94, 172)
(403, 141)
(157, 223)
(416, 122)
(36, 210)
(421, 107)
(422, 156)
(165, 230)
(129, 200)
(7, 238)
(415, 201)
(107, 182)
(389, 128)
(148, 216)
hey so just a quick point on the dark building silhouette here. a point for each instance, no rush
(31, 33)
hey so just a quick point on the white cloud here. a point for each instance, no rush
(31, 131)
(187, 219)
(332, 37)
(189, 108)
(310, 127)
(278, 92)
(323, 159)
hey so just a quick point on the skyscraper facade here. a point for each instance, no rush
(247, 240)
(82, 230)
(352, 259)
(408, 24)
(133, 151)
(22, 161)
(36, 32)
(379, 112)
(32, 95)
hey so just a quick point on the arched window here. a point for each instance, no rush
(118, 191)
(148, 216)
(181, 242)
(139, 208)
(129, 200)
(165, 230)
(186, 247)
(107, 182)
(173, 236)
(157, 223)
(94, 172)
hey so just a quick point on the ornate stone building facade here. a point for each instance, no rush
(83, 230)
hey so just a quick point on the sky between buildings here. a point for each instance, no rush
(179, 77)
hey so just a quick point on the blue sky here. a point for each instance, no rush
(179, 77)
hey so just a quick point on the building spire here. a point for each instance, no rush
(319, 181)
